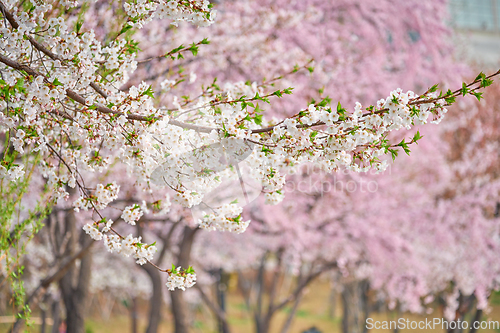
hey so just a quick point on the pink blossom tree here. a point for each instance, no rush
(68, 99)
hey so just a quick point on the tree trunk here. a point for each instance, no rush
(355, 305)
(221, 285)
(43, 314)
(75, 298)
(75, 283)
(179, 306)
(288, 323)
(262, 325)
(133, 315)
(477, 318)
(156, 300)
(332, 303)
(56, 316)
(465, 305)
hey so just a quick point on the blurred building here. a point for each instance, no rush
(477, 23)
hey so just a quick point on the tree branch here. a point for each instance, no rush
(213, 307)
(302, 285)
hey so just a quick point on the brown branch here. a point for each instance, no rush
(213, 307)
(302, 285)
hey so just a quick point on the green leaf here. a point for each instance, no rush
(394, 153)
(433, 88)
(278, 93)
(313, 135)
(56, 82)
(478, 95)
(486, 82)
(416, 137)
(78, 26)
(177, 49)
(149, 92)
(450, 100)
(125, 28)
(464, 89)
(194, 49)
(327, 100)
(258, 119)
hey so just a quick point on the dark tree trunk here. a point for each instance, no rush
(179, 306)
(75, 283)
(221, 285)
(75, 297)
(465, 305)
(43, 327)
(133, 315)
(476, 319)
(355, 305)
(261, 326)
(156, 300)
(56, 316)
(332, 303)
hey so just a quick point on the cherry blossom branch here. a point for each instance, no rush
(42, 48)
(179, 50)
(204, 129)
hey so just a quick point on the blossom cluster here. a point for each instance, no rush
(130, 246)
(132, 214)
(225, 218)
(196, 12)
(92, 229)
(11, 174)
(180, 279)
(104, 194)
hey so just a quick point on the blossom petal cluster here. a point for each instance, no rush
(180, 280)
(130, 246)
